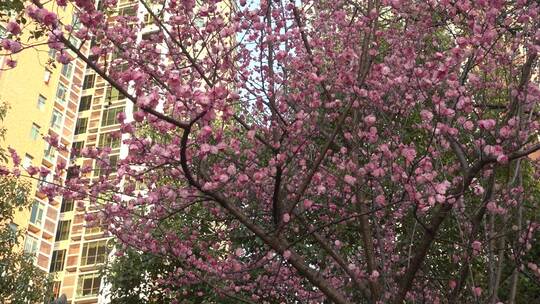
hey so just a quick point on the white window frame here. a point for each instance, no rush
(34, 135)
(28, 161)
(50, 153)
(33, 247)
(56, 123)
(39, 219)
(41, 102)
(61, 99)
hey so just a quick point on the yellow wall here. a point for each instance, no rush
(20, 88)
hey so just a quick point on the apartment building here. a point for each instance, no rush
(43, 96)
(70, 101)
(75, 103)
(81, 251)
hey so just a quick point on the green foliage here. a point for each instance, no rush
(11, 7)
(21, 281)
(133, 277)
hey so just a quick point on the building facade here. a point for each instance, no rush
(69, 101)
(74, 103)
(44, 98)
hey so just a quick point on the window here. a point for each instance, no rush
(34, 132)
(56, 290)
(73, 40)
(76, 23)
(67, 205)
(36, 214)
(88, 285)
(61, 93)
(50, 153)
(52, 53)
(56, 120)
(113, 95)
(57, 261)
(148, 19)
(113, 163)
(95, 228)
(149, 36)
(124, 2)
(102, 169)
(67, 70)
(62, 233)
(81, 125)
(108, 140)
(116, 54)
(89, 80)
(47, 76)
(85, 103)
(94, 253)
(27, 162)
(109, 116)
(31, 244)
(127, 11)
(76, 148)
(2, 32)
(41, 102)
(43, 181)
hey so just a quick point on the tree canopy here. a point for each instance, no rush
(317, 151)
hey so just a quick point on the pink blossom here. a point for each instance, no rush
(223, 178)
(492, 207)
(239, 252)
(370, 120)
(468, 125)
(11, 45)
(242, 178)
(32, 170)
(409, 154)
(426, 115)
(138, 116)
(477, 246)
(442, 187)
(13, 27)
(206, 131)
(380, 200)
(374, 275)
(49, 18)
(286, 217)
(502, 159)
(505, 132)
(11, 63)
(286, 254)
(121, 117)
(231, 170)
(478, 190)
(486, 124)
(63, 57)
(349, 179)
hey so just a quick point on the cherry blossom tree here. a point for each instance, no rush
(343, 151)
